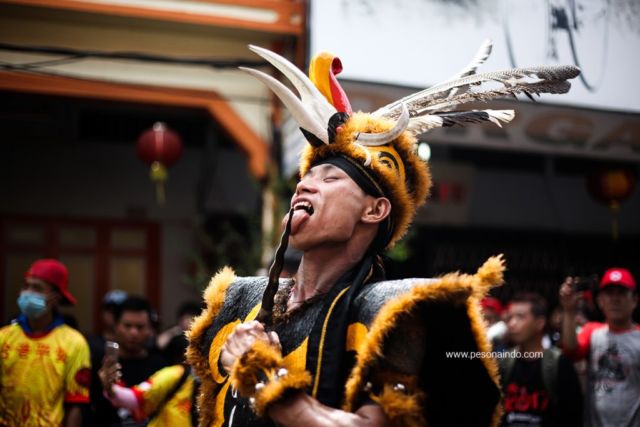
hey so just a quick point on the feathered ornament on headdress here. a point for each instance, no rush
(382, 144)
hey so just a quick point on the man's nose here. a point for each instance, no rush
(306, 185)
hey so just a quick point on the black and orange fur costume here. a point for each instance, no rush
(368, 341)
(443, 313)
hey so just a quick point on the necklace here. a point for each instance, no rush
(281, 302)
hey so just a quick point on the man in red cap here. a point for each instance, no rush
(612, 349)
(44, 364)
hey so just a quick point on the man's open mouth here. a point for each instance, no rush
(305, 206)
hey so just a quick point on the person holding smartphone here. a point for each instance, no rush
(166, 398)
(612, 349)
(134, 361)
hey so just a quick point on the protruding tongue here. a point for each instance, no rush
(300, 216)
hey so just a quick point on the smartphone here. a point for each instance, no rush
(111, 350)
(585, 283)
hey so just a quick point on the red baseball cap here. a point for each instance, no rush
(492, 303)
(618, 277)
(53, 272)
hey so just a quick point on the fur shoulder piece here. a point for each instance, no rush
(214, 297)
(430, 331)
(229, 301)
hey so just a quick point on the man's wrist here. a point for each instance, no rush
(109, 392)
(281, 410)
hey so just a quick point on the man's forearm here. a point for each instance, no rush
(302, 409)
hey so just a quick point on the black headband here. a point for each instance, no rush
(356, 172)
(368, 184)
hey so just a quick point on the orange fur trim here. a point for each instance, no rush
(214, 298)
(266, 359)
(404, 410)
(490, 274)
(405, 196)
(261, 358)
(453, 288)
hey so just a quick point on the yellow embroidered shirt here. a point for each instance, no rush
(39, 373)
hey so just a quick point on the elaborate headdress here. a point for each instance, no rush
(383, 143)
(380, 147)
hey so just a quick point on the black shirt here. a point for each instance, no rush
(528, 403)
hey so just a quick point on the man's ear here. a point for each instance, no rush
(376, 210)
(54, 298)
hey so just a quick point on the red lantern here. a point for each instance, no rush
(160, 147)
(612, 187)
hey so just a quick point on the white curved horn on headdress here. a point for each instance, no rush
(293, 104)
(372, 139)
(309, 93)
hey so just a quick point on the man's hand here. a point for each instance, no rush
(569, 302)
(568, 296)
(242, 339)
(109, 374)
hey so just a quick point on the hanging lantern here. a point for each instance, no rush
(611, 187)
(159, 147)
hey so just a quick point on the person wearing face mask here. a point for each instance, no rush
(44, 364)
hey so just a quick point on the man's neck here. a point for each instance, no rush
(320, 269)
(620, 324)
(137, 354)
(531, 347)
(40, 324)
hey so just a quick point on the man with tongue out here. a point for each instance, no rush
(336, 344)
(334, 223)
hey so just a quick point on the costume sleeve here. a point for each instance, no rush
(152, 392)
(584, 341)
(123, 397)
(426, 351)
(570, 399)
(78, 370)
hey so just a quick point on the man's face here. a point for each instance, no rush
(38, 286)
(133, 330)
(522, 325)
(328, 205)
(617, 303)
